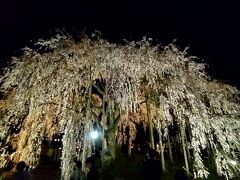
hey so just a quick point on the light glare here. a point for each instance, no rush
(94, 135)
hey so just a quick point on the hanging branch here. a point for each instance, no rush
(103, 122)
(87, 128)
(184, 147)
(110, 133)
(150, 122)
(160, 131)
(187, 145)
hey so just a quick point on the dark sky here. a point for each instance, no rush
(210, 28)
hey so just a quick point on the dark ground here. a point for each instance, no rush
(47, 172)
(125, 168)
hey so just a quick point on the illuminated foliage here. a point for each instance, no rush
(50, 89)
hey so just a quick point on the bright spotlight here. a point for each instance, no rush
(94, 135)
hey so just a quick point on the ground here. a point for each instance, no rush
(124, 168)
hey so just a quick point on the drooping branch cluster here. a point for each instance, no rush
(50, 91)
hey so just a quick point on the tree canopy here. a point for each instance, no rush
(63, 85)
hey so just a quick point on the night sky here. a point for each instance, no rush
(210, 29)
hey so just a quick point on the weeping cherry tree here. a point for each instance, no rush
(67, 86)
